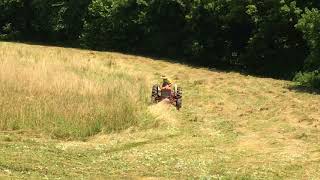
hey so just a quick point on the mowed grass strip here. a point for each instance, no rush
(66, 93)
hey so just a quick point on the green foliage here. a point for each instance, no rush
(309, 25)
(308, 79)
(275, 47)
(113, 24)
(205, 32)
(212, 31)
(45, 20)
(9, 27)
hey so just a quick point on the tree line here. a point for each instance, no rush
(277, 38)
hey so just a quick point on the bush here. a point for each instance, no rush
(276, 48)
(309, 25)
(308, 79)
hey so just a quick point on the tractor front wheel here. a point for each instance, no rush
(179, 98)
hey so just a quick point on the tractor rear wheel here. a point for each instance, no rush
(179, 92)
(155, 93)
(179, 98)
(179, 104)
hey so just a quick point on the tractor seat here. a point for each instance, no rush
(165, 93)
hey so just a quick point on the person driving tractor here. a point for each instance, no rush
(167, 90)
(166, 81)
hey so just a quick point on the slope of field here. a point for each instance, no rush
(74, 113)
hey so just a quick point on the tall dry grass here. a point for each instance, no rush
(67, 93)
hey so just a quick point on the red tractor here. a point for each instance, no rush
(171, 92)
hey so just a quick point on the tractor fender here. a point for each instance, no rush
(159, 91)
(175, 89)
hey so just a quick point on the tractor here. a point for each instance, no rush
(170, 92)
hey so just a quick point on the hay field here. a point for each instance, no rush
(68, 113)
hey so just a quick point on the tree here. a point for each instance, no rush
(309, 25)
(276, 48)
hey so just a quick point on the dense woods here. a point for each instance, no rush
(274, 38)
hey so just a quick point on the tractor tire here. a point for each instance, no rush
(155, 94)
(179, 93)
(179, 98)
(179, 104)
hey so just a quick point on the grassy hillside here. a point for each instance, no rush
(72, 113)
(67, 93)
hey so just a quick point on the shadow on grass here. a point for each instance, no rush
(214, 66)
(303, 89)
